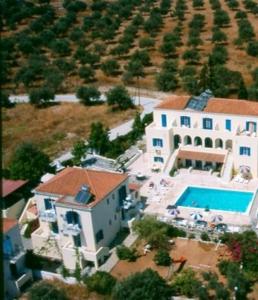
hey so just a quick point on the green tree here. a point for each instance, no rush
(119, 97)
(218, 36)
(61, 47)
(147, 285)
(79, 151)
(152, 231)
(198, 3)
(221, 18)
(242, 91)
(45, 290)
(138, 126)
(186, 283)
(5, 101)
(88, 95)
(110, 67)
(87, 73)
(166, 81)
(146, 42)
(252, 48)
(192, 56)
(98, 139)
(135, 68)
(162, 258)
(41, 96)
(100, 282)
(28, 162)
(204, 78)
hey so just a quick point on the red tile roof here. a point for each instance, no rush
(69, 181)
(8, 224)
(174, 102)
(134, 186)
(214, 105)
(204, 156)
(10, 186)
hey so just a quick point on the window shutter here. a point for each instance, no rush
(48, 204)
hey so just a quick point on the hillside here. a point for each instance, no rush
(159, 45)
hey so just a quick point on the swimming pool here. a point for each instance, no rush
(219, 199)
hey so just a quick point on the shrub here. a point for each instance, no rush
(146, 42)
(100, 282)
(252, 48)
(162, 258)
(110, 67)
(45, 290)
(175, 232)
(205, 236)
(221, 18)
(125, 253)
(88, 95)
(191, 236)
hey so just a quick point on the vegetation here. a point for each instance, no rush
(162, 258)
(118, 97)
(44, 290)
(135, 287)
(28, 162)
(88, 95)
(125, 253)
(79, 151)
(100, 282)
(98, 139)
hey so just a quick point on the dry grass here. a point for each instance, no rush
(56, 128)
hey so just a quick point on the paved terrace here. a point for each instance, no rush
(159, 197)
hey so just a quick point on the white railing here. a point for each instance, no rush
(71, 229)
(23, 279)
(48, 215)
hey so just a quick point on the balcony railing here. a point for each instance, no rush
(48, 215)
(71, 229)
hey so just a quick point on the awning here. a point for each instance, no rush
(203, 156)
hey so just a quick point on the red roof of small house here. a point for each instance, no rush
(69, 181)
(10, 186)
(8, 224)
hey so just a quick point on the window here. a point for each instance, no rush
(115, 217)
(77, 240)
(228, 125)
(158, 159)
(110, 222)
(72, 217)
(107, 201)
(164, 120)
(99, 236)
(48, 203)
(185, 121)
(113, 196)
(207, 123)
(54, 227)
(157, 142)
(121, 195)
(251, 126)
(245, 151)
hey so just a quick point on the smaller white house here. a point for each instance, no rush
(80, 213)
(16, 275)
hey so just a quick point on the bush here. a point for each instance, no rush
(162, 258)
(45, 290)
(175, 232)
(191, 236)
(110, 67)
(146, 42)
(100, 282)
(205, 236)
(41, 96)
(252, 48)
(88, 95)
(125, 253)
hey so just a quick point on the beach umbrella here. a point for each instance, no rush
(174, 212)
(196, 216)
(217, 219)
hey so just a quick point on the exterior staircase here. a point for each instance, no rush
(228, 168)
(170, 162)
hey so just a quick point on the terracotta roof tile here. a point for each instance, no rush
(232, 106)
(204, 156)
(174, 102)
(8, 224)
(10, 186)
(215, 105)
(134, 186)
(69, 181)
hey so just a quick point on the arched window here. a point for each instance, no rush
(187, 140)
(72, 217)
(208, 143)
(218, 143)
(197, 141)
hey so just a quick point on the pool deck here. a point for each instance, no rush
(159, 197)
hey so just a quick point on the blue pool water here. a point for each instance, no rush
(215, 199)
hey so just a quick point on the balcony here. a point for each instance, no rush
(48, 215)
(71, 229)
(23, 278)
(246, 133)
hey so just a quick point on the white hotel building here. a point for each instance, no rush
(204, 132)
(80, 214)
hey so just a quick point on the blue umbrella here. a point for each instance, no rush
(196, 216)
